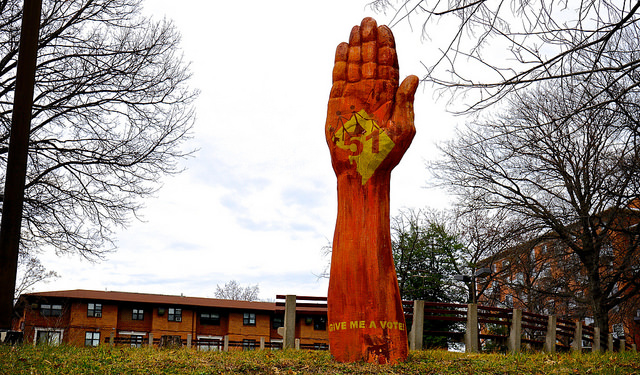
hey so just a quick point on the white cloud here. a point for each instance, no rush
(258, 201)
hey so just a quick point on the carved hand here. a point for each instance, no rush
(369, 118)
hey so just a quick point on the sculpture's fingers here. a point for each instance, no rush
(340, 70)
(387, 57)
(340, 62)
(354, 61)
(369, 49)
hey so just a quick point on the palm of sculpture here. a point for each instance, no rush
(368, 129)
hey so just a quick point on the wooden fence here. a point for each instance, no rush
(483, 326)
(510, 328)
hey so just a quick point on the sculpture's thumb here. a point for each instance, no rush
(403, 109)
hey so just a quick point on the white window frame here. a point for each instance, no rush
(46, 329)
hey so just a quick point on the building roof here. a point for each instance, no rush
(158, 299)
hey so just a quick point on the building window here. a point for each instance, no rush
(320, 346)
(138, 314)
(277, 322)
(94, 310)
(248, 344)
(320, 323)
(92, 338)
(175, 315)
(618, 331)
(210, 343)
(276, 344)
(136, 341)
(212, 319)
(249, 319)
(51, 310)
(48, 336)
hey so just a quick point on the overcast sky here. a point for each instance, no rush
(257, 202)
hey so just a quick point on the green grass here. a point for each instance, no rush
(106, 360)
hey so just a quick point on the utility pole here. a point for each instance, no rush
(12, 202)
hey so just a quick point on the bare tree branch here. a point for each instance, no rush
(572, 174)
(234, 291)
(111, 111)
(498, 49)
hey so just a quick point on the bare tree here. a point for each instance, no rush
(31, 272)
(572, 174)
(485, 235)
(497, 47)
(111, 111)
(234, 291)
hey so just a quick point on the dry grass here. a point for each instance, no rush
(106, 360)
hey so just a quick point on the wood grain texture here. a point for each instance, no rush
(370, 125)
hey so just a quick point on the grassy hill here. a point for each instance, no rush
(107, 360)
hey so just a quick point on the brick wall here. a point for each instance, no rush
(34, 319)
(305, 330)
(162, 326)
(238, 331)
(80, 323)
(126, 322)
(211, 329)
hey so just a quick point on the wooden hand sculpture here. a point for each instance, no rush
(368, 129)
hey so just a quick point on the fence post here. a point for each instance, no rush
(596, 339)
(515, 334)
(150, 340)
(112, 337)
(297, 344)
(262, 343)
(550, 339)
(623, 343)
(610, 342)
(471, 336)
(576, 345)
(289, 336)
(417, 328)
(225, 346)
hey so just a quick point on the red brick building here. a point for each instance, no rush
(544, 276)
(90, 318)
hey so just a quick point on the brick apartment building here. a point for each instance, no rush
(90, 318)
(522, 276)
